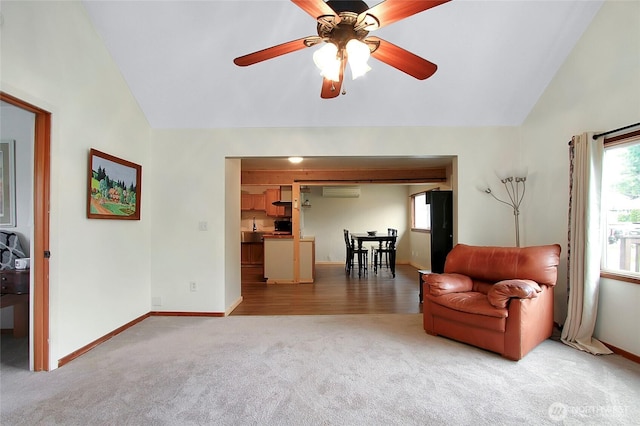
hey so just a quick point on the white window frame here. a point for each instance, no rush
(617, 142)
(419, 207)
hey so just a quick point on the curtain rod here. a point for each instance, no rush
(615, 130)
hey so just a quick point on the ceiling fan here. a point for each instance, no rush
(344, 26)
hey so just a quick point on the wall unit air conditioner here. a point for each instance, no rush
(341, 191)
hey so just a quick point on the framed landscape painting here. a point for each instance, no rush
(114, 187)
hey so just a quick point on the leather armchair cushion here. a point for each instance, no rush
(440, 284)
(492, 264)
(502, 291)
(469, 302)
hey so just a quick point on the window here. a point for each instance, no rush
(420, 212)
(621, 205)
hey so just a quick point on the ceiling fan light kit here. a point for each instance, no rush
(329, 59)
(326, 59)
(344, 26)
(358, 54)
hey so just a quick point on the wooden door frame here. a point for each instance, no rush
(40, 245)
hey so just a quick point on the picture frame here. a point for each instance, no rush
(114, 187)
(7, 184)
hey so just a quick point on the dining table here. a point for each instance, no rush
(359, 238)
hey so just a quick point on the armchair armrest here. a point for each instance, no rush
(501, 292)
(440, 284)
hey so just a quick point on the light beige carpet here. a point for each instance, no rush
(317, 370)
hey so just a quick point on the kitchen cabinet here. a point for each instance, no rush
(252, 202)
(272, 195)
(246, 201)
(252, 254)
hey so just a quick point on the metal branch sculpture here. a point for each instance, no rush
(512, 186)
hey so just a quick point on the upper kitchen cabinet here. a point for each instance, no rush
(273, 196)
(252, 202)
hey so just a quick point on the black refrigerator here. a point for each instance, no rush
(441, 208)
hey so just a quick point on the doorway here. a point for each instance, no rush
(39, 300)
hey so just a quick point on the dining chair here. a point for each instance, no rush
(384, 251)
(352, 253)
(349, 254)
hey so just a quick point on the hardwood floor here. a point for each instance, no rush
(334, 292)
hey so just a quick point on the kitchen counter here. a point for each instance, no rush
(279, 259)
(287, 236)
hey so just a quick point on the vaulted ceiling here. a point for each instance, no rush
(495, 59)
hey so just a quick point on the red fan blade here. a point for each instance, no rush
(316, 8)
(402, 59)
(390, 11)
(271, 52)
(330, 88)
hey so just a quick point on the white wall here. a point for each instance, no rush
(596, 89)
(190, 182)
(377, 208)
(99, 269)
(232, 242)
(18, 125)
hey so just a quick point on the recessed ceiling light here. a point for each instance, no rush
(295, 160)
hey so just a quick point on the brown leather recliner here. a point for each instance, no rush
(496, 298)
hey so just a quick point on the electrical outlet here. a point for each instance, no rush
(193, 286)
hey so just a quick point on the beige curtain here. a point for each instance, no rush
(585, 244)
